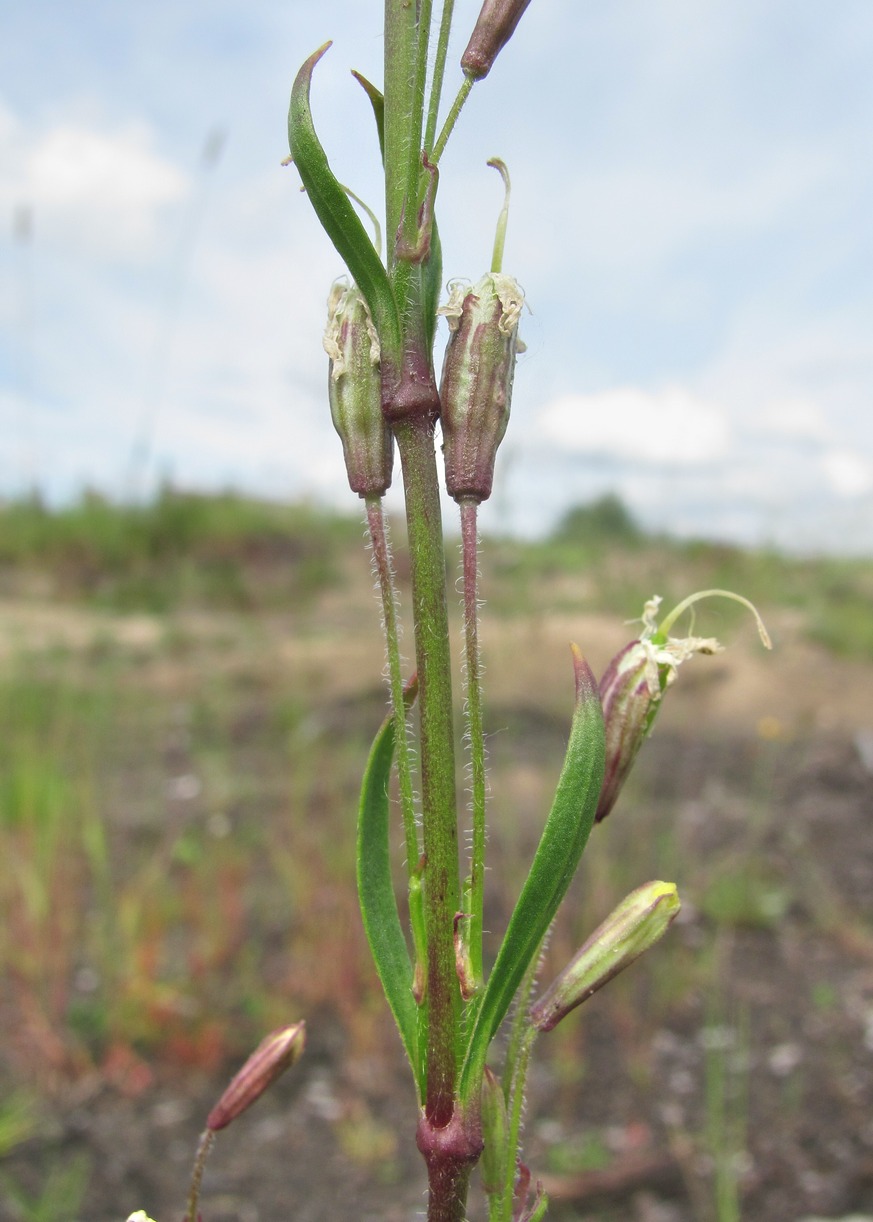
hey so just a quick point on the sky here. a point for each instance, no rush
(691, 219)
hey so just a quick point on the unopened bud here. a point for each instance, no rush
(630, 692)
(494, 28)
(634, 683)
(494, 1134)
(268, 1062)
(355, 391)
(476, 386)
(635, 925)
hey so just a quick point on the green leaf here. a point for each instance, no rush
(433, 276)
(337, 216)
(561, 844)
(377, 101)
(378, 900)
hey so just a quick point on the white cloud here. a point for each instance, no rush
(793, 419)
(90, 187)
(848, 475)
(672, 427)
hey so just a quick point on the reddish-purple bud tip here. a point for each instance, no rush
(493, 30)
(268, 1062)
(629, 705)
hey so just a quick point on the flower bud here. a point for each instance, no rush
(268, 1062)
(634, 683)
(355, 391)
(630, 692)
(476, 386)
(494, 1134)
(494, 28)
(635, 925)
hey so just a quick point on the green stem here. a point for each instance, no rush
(520, 1022)
(401, 54)
(415, 441)
(439, 69)
(515, 1108)
(203, 1148)
(417, 125)
(473, 673)
(451, 119)
(384, 570)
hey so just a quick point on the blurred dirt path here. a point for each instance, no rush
(797, 690)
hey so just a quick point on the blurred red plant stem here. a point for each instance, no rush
(469, 544)
(415, 441)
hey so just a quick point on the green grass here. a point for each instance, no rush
(159, 847)
(226, 551)
(179, 549)
(58, 1198)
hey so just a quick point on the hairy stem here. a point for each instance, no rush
(515, 1110)
(439, 69)
(452, 118)
(473, 673)
(203, 1148)
(401, 104)
(415, 440)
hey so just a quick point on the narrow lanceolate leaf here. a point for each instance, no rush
(557, 856)
(334, 210)
(432, 274)
(377, 101)
(378, 900)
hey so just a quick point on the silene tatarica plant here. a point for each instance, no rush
(384, 392)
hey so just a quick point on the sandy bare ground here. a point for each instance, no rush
(797, 689)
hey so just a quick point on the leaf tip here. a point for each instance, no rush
(586, 684)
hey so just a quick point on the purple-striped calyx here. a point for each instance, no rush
(276, 1053)
(355, 391)
(636, 679)
(476, 385)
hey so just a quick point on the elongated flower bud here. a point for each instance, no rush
(630, 692)
(634, 683)
(355, 391)
(476, 386)
(636, 924)
(494, 28)
(268, 1062)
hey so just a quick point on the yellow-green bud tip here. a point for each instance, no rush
(636, 924)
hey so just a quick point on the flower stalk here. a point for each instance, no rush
(447, 1008)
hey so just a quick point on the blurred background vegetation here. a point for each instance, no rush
(188, 689)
